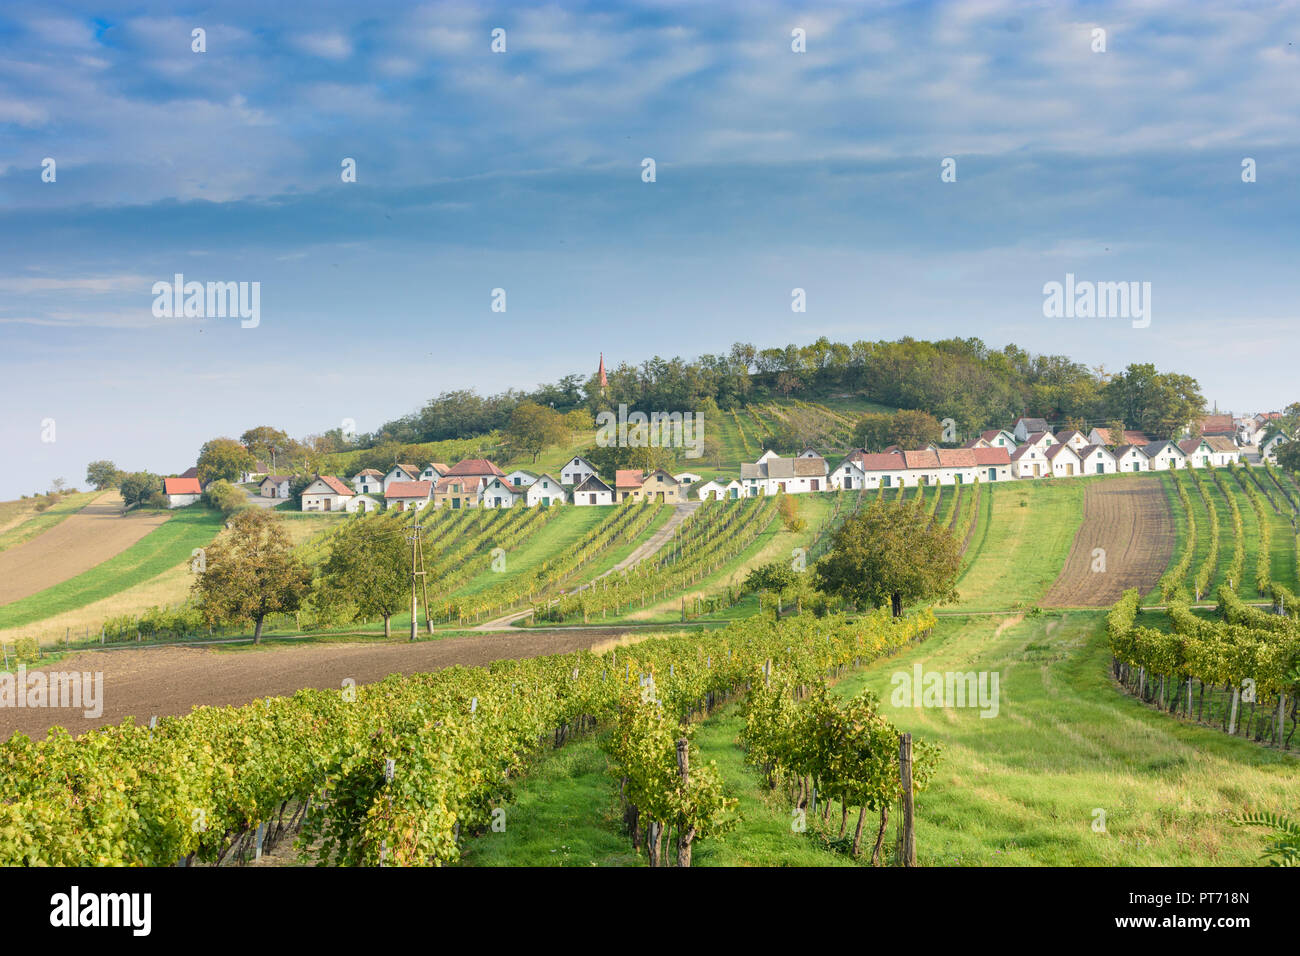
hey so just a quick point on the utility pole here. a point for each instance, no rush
(417, 570)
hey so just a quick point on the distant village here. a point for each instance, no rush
(1027, 450)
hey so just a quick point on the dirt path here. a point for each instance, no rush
(76, 544)
(1129, 519)
(644, 550)
(172, 680)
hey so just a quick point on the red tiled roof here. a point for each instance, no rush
(1217, 425)
(629, 478)
(474, 466)
(181, 486)
(880, 462)
(408, 489)
(439, 467)
(991, 456)
(375, 472)
(923, 458)
(336, 486)
(956, 457)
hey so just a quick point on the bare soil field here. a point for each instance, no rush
(172, 680)
(73, 546)
(1129, 518)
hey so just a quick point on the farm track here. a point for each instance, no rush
(171, 680)
(1129, 518)
(73, 546)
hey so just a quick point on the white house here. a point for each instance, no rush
(593, 491)
(1029, 461)
(1165, 456)
(993, 464)
(181, 491)
(994, 438)
(1103, 436)
(1269, 448)
(1132, 458)
(1040, 440)
(1072, 437)
(326, 493)
(546, 491)
(710, 489)
(687, 478)
(520, 478)
(576, 470)
(1024, 427)
(408, 495)
(943, 466)
(772, 474)
(363, 503)
(1064, 460)
(1098, 460)
(1199, 452)
(369, 481)
(256, 473)
(433, 471)
(849, 474)
(400, 473)
(500, 493)
(1223, 451)
(274, 486)
(883, 470)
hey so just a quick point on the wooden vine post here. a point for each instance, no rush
(909, 818)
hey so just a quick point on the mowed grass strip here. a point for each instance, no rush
(1031, 526)
(168, 545)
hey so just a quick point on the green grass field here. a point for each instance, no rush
(168, 545)
(1022, 788)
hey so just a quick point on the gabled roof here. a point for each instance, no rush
(190, 472)
(474, 466)
(1189, 445)
(1123, 450)
(337, 486)
(437, 466)
(1066, 434)
(1032, 424)
(507, 485)
(409, 469)
(1026, 449)
(277, 479)
(978, 441)
(1157, 447)
(993, 433)
(661, 475)
(1221, 443)
(634, 477)
(1038, 436)
(1130, 437)
(991, 456)
(559, 487)
(579, 458)
(409, 489)
(593, 483)
(369, 472)
(181, 486)
(1087, 450)
(1058, 449)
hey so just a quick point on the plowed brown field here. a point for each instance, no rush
(91, 536)
(1129, 518)
(172, 680)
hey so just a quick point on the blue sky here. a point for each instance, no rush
(522, 170)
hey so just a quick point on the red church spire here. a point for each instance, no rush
(600, 372)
